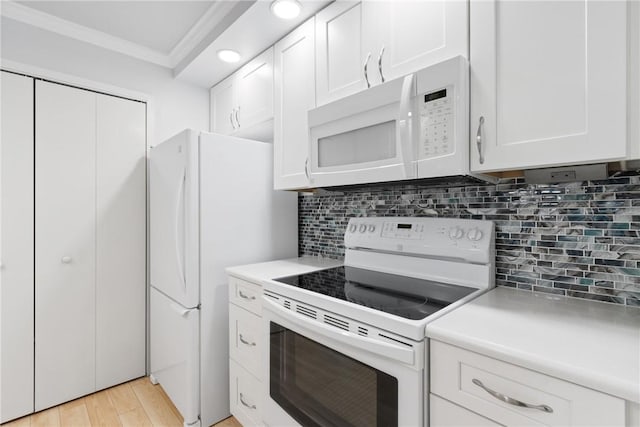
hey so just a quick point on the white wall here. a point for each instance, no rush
(175, 105)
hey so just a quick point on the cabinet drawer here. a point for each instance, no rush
(245, 294)
(477, 382)
(443, 413)
(245, 343)
(246, 400)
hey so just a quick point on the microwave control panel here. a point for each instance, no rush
(436, 111)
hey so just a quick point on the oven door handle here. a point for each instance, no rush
(397, 352)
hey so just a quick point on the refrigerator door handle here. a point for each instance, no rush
(180, 203)
(180, 310)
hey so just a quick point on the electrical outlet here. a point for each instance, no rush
(566, 175)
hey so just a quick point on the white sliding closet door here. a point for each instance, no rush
(121, 240)
(16, 244)
(65, 270)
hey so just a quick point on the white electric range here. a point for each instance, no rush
(347, 345)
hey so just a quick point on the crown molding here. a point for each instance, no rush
(213, 17)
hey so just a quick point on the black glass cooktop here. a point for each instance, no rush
(402, 296)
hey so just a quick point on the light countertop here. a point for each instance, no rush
(285, 267)
(589, 343)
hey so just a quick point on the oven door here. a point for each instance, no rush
(319, 375)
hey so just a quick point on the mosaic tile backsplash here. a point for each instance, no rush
(579, 239)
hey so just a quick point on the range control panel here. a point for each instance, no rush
(446, 237)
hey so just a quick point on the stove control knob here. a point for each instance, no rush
(372, 228)
(353, 228)
(363, 228)
(474, 234)
(456, 233)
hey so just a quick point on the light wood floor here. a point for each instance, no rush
(136, 403)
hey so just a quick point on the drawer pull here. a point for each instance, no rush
(243, 341)
(245, 403)
(249, 297)
(509, 400)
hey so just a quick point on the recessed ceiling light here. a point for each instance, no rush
(286, 9)
(228, 55)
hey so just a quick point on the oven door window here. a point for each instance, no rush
(318, 386)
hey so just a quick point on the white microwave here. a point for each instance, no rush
(411, 127)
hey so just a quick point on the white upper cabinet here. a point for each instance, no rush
(255, 91)
(242, 104)
(223, 105)
(340, 70)
(548, 83)
(359, 44)
(411, 35)
(294, 69)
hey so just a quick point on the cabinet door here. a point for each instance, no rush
(120, 240)
(294, 68)
(222, 106)
(16, 244)
(548, 83)
(255, 91)
(443, 413)
(414, 34)
(65, 243)
(339, 52)
(245, 394)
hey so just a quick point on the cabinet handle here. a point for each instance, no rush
(249, 297)
(306, 168)
(237, 120)
(366, 64)
(245, 403)
(245, 342)
(231, 118)
(509, 400)
(479, 139)
(66, 260)
(380, 63)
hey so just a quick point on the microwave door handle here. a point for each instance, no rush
(405, 123)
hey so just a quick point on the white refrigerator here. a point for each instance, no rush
(212, 205)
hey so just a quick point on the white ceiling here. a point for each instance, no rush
(182, 35)
(157, 25)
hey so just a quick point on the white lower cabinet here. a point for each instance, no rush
(487, 390)
(245, 351)
(443, 413)
(245, 339)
